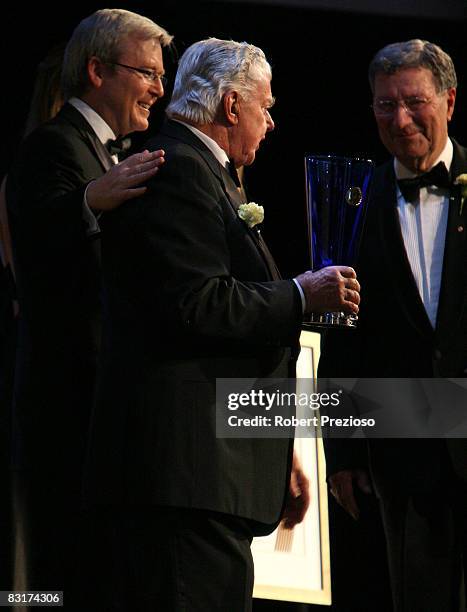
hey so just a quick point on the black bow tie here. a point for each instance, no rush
(118, 146)
(410, 188)
(232, 170)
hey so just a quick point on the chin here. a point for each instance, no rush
(141, 124)
(142, 127)
(249, 160)
(412, 153)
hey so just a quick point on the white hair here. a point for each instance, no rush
(101, 34)
(207, 70)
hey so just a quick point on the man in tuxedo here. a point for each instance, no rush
(192, 294)
(65, 179)
(412, 325)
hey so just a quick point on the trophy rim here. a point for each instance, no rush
(345, 158)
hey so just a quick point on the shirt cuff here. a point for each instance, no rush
(89, 217)
(302, 295)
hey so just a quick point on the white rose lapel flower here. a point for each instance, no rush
(252, 214)
(462, 181)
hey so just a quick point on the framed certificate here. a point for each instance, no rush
(294, 565)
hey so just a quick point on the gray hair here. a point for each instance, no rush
(415, 53)
(207, 70)
(101, 35)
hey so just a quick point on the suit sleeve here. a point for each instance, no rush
(198, 261)
(46, 189)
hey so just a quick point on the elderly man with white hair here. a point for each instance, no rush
(192, 294)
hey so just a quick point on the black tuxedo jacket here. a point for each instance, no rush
(190, 296)
(58, 268)
(395, 338)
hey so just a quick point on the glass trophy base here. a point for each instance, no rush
(329, 320)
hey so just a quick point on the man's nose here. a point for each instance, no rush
(401, 117)
(157, 88)
(269, 121)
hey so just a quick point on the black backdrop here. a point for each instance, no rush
(319, 61)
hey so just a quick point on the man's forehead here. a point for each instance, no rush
(263, 91)
(405, 77)
(138, 46)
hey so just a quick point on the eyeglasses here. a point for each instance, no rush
(412, 105)
(149, 75)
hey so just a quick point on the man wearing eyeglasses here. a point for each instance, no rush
(66, 177)
(413, 260)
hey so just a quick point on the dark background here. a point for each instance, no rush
(319, 58)
(319, 51)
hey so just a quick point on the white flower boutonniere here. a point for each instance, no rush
(252, 214)
(462, 181)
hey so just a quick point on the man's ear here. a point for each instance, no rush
(231, 107)
(451, 100)
(95, 71)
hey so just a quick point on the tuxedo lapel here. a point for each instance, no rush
(268, 258)
(71, 114)
(236, 199)
(179, 131)
(101, 152)
(454, 279)
(397, 263)
(233, 192)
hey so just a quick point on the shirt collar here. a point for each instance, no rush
(102, 129)
(446, 156)
(212, 145)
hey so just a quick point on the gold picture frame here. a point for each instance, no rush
(294, 565)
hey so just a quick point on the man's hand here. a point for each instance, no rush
(122, 182)
(342, 489)
(331, 289)
(298, 498)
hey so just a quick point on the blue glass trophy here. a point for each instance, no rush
(337, 192)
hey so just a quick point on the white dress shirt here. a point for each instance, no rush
(423, 228)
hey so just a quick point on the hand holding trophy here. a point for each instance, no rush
(337, 193)
(331, 288)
